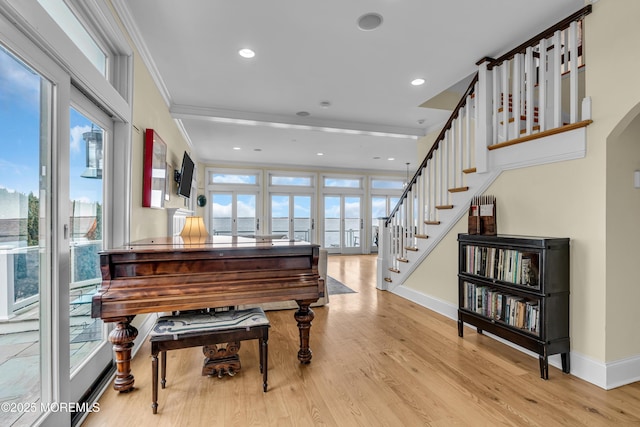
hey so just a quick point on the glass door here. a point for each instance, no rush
(343, 224)
(234, 214)
(26, 244)
(89, 351)
(291, 216)
(380, 208)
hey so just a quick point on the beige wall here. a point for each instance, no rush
(151, 112)
(613, 37)
(592, 200)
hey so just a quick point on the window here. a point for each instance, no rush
(289, 180)
(387, 184)
(338, 182)
(68, 21)
(234, 178)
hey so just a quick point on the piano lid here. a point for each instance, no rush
(207, 243)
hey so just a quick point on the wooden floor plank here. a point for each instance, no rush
(378, 360)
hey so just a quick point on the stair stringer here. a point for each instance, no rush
(478, 184)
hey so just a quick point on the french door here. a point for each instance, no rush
(291, 216)
(343, 227)
(234, 213)
(380, 208)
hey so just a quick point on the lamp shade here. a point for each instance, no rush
(194, 228)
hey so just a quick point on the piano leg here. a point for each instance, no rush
(122, 337)
(304, 315)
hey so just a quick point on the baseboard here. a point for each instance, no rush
(604, 375)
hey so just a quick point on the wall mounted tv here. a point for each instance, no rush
(186, 176)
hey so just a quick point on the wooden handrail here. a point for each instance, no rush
(434, 147)
(543, 35)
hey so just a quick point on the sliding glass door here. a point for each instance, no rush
(26, 270)
(89, 350)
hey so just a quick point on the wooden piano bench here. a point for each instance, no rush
(208, 329)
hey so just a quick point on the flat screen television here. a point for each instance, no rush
(186, 176)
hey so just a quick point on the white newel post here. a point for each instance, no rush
(383, 254)
(6, 284)
(484, 135)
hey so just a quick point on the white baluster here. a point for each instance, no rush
(440, 168)
(446, 167)
(542, 85)
(529, 73)
(556, 76)
(454, 152)
(467, 132)
(504, 69)
(573, 71)
(460, 145)
(517, 94)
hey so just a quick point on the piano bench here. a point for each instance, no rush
(207, 329)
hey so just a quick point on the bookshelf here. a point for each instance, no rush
(517, 288)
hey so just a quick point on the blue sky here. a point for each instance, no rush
(20, 135)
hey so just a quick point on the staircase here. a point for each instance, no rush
(531, 92)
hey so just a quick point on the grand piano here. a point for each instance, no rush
(174, 274)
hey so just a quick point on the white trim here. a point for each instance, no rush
(604, 375)
(122, 9)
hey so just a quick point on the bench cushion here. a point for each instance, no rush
(193, 323)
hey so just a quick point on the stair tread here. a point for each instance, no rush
(444, 207)
(421, 236)
(458, 189)
(411, 248)
(402, 259)
(432, 222)
(394, 270)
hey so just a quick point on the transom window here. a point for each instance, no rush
(234, 178)
(291, 180)
(72, 26)
(387, 184)
(338, 182)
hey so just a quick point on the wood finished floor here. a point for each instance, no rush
(378, 360)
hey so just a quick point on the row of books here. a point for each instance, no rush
(508, 265)
(512, 310)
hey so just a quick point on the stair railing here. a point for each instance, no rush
(510, 98)
(526, 83)
(439, 174)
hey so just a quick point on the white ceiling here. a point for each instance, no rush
(308, 52)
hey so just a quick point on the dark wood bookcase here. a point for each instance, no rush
(517, 288)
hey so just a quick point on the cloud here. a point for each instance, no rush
(18, 83)
(76, 137)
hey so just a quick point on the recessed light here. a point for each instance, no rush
(319, 154)
(376, 158)
(391, 158)
(257, 149)
(236, 148)
(417, 82)
(246, 53)
(369, 21)
(325, 104)
(302, 113)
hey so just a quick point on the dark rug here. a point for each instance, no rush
(336, 287)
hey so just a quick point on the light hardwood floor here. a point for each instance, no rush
(378, 360)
